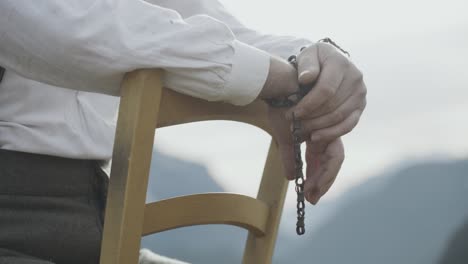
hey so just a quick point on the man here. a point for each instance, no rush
(51, 138)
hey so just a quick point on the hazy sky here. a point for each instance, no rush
(415, 61)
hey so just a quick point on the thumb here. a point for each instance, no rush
(308, 65)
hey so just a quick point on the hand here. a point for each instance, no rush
(323, 164)
(323, 159)
(338, 96)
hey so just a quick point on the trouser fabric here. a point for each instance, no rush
(51, 209)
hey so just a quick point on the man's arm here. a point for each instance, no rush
(89, 44)
(333, 107)
(282, 46)
(331, 110)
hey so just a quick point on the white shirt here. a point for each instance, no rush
(88, 45)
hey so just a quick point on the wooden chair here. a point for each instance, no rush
(145, 106)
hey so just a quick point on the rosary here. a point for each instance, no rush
(289, 101)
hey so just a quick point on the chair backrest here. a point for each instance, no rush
(145, 105)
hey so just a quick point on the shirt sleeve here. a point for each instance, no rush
(89, 44)
(282, 46)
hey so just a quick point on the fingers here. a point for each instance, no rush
(352, 84)
(327, 187)
(339, 115)
(328, 82)
(308, 66)
(330, 133)
(322, 168)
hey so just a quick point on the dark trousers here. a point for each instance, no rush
(51, 209)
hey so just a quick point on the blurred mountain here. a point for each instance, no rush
(170, 177)
(404, 217)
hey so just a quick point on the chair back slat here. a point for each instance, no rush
(144, 106)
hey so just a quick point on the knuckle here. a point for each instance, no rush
(325, 51)
(326, 108)
(303, 60)
(350, 127)
(354, 121)
(326, 91)
(364, 104)
(358, 76)
(341, 157)
(324, 46)
(308, 127)
(355, 74)
(363, 91)
(342, 61)
(304, 110)
(357, 115)
(339, 115)
(338, 62)
(332, 105)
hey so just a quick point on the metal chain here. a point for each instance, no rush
(289, 101)
(299, 174)
(299, 177)
(329, 40)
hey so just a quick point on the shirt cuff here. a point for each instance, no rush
(249, 72)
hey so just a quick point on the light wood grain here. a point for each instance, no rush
(144, 106)
(139, 105)
(273, 189)
(208, 208)
(177, 109)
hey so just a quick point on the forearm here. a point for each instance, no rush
(89, 45)
(282, 46)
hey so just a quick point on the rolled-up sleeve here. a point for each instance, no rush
(89, 44)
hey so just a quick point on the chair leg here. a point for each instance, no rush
(139, 107)
(273, 188)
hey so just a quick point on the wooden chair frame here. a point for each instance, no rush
(145, 105)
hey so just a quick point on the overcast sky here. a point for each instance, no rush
(415, 61)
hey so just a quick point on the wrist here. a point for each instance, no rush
(281, 79)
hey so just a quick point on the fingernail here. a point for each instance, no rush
(303, 76)
(304, 73)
